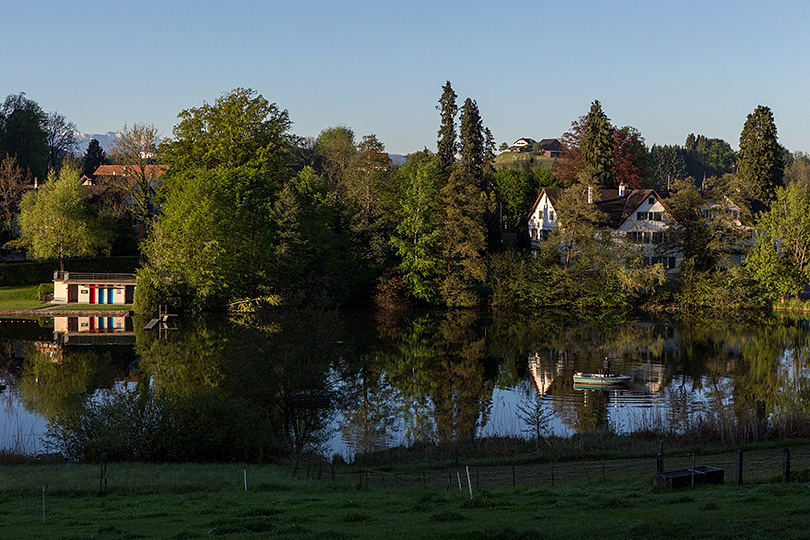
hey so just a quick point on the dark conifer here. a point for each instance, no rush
(446, 144)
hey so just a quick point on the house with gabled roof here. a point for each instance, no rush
(637, 216)
(552, 148)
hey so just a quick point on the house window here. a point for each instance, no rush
(534, 234)
(551, 215)
(545, 234)
(651, 201)
(655, 216)
(657, 237)
(641, 216)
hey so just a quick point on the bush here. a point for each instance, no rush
(44, 290)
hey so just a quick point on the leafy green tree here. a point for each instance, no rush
(57, 220)
(212, 238)
(335, 151)
(370, 201)
(516, 192)
(446, 144)
(94, 157)
(241, 128)
(597, 148)
(23, 134)
(760, 164)
(578, 222)
(416, 238)
(780, 259)
(463, 238)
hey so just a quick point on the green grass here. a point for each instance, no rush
(209, 501)
(20, 297)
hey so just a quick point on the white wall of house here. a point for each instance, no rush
(60, 292)
(544, 218)
(646, 227)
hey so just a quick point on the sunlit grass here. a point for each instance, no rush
(20, 297)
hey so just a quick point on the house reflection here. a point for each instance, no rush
(95, 330)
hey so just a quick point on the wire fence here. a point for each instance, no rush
(759, 466)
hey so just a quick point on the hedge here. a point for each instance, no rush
(32, 272)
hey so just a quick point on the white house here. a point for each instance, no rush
(637, 216)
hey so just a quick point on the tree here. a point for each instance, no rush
(780, 259)
(463, 238)
(446, 144)
(760, 164)
(93, 158)
(416, 239)
(13, 180)
(472, 139)
(567, 168)
(668, 163)
(630, 158)
(335, 150)
(241, 128)
(136, 148)
(57, 220)
(575, 233)
(597, 149)
(23, 134)
(369, 201)
(798, 170)
(61, 139)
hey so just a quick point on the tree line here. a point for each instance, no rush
(249, 213)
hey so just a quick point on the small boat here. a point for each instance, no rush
(598, 379)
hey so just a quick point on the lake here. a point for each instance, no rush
(353, 382)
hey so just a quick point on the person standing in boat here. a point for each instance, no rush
(606, 367)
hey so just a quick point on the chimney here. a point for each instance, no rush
(622, 190)
(590, 194)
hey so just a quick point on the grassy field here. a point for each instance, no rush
(20, 297)
(580, 500)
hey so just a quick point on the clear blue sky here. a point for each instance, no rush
(666, 68)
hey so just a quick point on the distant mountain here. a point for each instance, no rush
(104, 139)
(399, 159)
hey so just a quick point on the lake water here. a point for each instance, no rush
(352, 382)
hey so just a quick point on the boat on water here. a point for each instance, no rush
(598, 379)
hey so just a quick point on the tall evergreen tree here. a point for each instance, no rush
(760, 162)
(473, 144)
(93, 158)
(464, 238)
(446, 145)
(597, 148)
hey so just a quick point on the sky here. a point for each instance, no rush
(666, 68)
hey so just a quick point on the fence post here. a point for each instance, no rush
(739, 467)
(659, 463)
(786, 465)
(693, 469)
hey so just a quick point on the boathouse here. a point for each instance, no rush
(93, 288)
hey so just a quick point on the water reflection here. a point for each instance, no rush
(291, 383)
